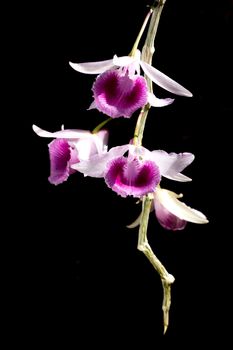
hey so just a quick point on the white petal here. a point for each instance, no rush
(136, 222)
(93, 167)
(169, 200)
(139, 152)
(85, 148)
(179, 177)
(101, 140)
(96, 165)
(92, 105)
(92, 67)
(92, 145)
(164, 81)
(62, 134)
(159, 102)
(122, 61)
(170, 165)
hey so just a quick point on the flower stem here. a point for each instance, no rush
(148, 48)
(143, 245)
(135, 46)
(139, 129)
(147, 54)
(99, 126)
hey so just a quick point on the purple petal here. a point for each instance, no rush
(61, 155)
(118, 95)
(168, 220)
(170, 165)
(92, 67)
(132, 177)
(164, 81)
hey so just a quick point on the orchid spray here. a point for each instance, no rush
(119, 90)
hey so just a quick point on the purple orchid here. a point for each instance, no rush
(138, 173)
(171, 213)
(119, 89)
(71, 147)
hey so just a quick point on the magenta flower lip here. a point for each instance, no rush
(132, 178)
(118, 95)
(60, 156)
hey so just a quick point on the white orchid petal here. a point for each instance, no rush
(122, 61)
(101, 140)
(92, 106)
(92, 67)
(136, 222)
(96, 165)
(118, 151)
(62, 134)
(169, 200)
(139, 151)
(179, 177)
(93, 167)
(159, 102)
(171, 164)
(164, 81)
(94, 144)
(85, 148)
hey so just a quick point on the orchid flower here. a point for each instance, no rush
(120, 90)
(171, 213)
(70, 147)
(137, 174)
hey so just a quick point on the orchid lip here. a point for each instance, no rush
(119, 95)
(132, 178)
(60, 156)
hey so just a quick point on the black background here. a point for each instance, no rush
(77, 277)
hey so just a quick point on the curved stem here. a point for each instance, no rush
(143, 245)
(139, 129)
(99, 126)
(135, 46)
(147, 54)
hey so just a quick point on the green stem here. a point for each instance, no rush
(138, 133)
(147, 54)
(166, 278)
(99, 126)
(135, 46)
(148, 48)
(143, 245)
